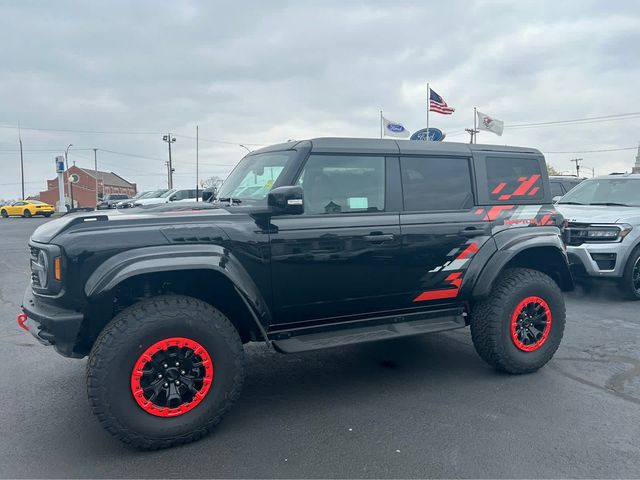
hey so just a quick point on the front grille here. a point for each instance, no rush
(575, 234)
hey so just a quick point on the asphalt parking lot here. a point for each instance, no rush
(420, 407)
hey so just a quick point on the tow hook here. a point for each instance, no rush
(22, 319)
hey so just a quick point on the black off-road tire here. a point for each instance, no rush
(631, 274)
(132, 332)
(491, 321)
(26, 213)
(4, 213)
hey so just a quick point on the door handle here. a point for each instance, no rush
(378, 237)
(472, 232)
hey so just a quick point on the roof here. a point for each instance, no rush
(109, 178)
(634, 176)
(384, 145)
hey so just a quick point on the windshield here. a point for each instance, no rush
(36, 202)
(152, 194)
(168, 193)
(605, 191)
(254, 176)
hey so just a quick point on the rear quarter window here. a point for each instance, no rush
(514, 178)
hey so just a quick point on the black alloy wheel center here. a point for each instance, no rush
(172, 377)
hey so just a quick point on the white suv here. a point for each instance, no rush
(603, 229)
(173, 195)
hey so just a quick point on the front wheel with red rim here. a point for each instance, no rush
(164, 371)
(172, 377)
(519, 327)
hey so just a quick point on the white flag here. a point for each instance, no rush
(485, 122)
(394, 129)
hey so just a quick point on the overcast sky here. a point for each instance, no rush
(263, 72)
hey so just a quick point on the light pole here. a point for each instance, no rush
(95, 167)
(169, 139)
(66, 166)
(246, 148)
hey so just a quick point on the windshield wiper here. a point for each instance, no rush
(572, 203)
(611, 204)
(230, 200)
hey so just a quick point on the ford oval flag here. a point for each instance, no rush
(394, 129)
(428, 134)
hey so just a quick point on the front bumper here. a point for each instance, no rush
(51, 324)
(598, 259)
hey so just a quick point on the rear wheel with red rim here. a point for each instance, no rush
(530, 324)
(164, 371)
(519, 327)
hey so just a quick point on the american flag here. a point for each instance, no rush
(438, 105)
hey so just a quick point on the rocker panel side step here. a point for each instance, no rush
(395, 327)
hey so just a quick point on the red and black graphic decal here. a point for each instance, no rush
(452, 270)
(513, 215)
(527, 186)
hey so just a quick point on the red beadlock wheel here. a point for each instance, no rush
(172, 377)
(530, 324)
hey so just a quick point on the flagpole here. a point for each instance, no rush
(197, 161)
(381, 123)
(428, 105)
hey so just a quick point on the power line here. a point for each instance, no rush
(617, 116)
(123, 132)
(595, 151)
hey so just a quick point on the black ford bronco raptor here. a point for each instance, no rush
(308, 245)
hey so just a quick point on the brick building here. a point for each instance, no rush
(84, 192)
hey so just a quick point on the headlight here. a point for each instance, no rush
(47, 268)
(611, 233)
(39, 270)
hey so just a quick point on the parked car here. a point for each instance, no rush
(142, 195)
(603, 229)
(561, 184)
(110, 201)
(311, 244)
(27, 208)
(173, 195)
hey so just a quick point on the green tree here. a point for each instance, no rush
(551, 170)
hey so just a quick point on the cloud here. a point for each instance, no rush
(262, 72)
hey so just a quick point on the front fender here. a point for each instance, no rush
(179, 257)
(513, 242)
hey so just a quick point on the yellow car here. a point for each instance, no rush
(26, 208)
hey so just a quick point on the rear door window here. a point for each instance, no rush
(514, 178)
(556, 189)
(436, 184)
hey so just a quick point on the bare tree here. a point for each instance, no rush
(214, 182)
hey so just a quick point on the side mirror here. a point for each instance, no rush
(556, 198)
(286, 200)
(172, 198)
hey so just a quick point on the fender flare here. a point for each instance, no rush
(509, 246)
(181, 257)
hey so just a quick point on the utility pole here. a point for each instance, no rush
(21, 162)
(66, 164)
(197, 159)
(95, 167)
(169, 139)
(472, 132)
(577, 162)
